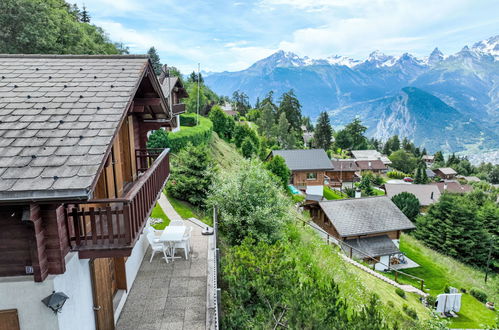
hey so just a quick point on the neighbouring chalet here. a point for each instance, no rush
(427, 194)
(77, 183)
(307, 166)
(367, 225)
(375, 166)
(445, 173)
(174, 91)
(344, 171)
(428, 160)
(371, 155)
(452, 186)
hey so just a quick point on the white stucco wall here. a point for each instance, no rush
(77, 313)
(25, 295)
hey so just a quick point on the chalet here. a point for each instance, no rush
(308, 166)
(371, 155)
(227, 108)
(344, 171)
(430, 174)
(468, 178)
(367, 226)
(77, 183)
(174, 91)
(445, 173)
(452, 186)
(375, 166)
(427, 194)
(428, 160)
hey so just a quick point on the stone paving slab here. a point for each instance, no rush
(169, 296)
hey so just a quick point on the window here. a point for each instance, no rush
(312, 176)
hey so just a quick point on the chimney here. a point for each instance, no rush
(357, 193)
(369, 164)
(445, 186)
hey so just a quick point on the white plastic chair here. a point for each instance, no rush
(177, 223)
(185, 243)
(156, 246)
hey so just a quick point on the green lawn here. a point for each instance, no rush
(158, 212)
(438, 270)
(330, 194)
(378, 192)
(187, 210)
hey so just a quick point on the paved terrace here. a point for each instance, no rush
(174, 295)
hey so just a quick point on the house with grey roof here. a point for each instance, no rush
(77, 182)
(427, 194)
(364, 226)
(307, 166)
(370, 155)
(174, 92)
(445, 173)
(375, 166)
(344, 171)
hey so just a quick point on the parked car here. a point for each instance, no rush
(408, 179)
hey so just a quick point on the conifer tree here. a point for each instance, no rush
(290, 105)
(156, 62)
(323, 132)
(85, 17)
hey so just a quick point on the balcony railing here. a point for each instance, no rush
(110, 227)
(178, 108)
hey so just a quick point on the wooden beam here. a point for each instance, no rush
(138, 108)
(147, 101)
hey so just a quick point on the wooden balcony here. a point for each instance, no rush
(178, 108)
(110, 227)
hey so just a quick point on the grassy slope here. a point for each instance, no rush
(158, 212)
(330, 194)
(438, 270)
(355, 285)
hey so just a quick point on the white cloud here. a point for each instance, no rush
(387, 25)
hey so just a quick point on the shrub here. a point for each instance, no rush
(431, 300)
(400, 292)
(188, 120)
(277, 165)
(196, 135)
(408, 204)
(350, 192)
(192, 173)
(297, 198)
(396, 174)
(446, 288)
(248, 149)
(463, 290)
(250, 203)
(390, 304)
(410, 312)
(479, 295)
(378, 180)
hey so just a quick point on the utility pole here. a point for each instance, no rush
(488, 260)
(197, 107)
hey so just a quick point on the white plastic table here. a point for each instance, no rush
(171, 235)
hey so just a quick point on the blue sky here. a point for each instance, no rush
(231, 35)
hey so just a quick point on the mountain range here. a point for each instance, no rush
(441, 102)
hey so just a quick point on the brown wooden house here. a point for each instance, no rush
(344, 170)
(77, 182)
(446, 173)
(367, 224)
(375, 166)
(308, 166)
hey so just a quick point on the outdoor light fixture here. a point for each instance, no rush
(55, 301)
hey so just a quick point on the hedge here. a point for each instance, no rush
(188, 119)
(196, 135)
(397, 174)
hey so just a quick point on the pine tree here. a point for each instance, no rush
(85, 17)
(257, 103)
(417, 177)
(290, 105)
(267, 121)
(155, 61)
(439, 157)
(248, 149)
(285, 139)
(323, 132)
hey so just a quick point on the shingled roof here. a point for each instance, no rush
(363, 216)
(426, 193)
(373, 246)
(305, 159)
(58, 116)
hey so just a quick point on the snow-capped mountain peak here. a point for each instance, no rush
(342, 60)
(435, 56)
(488, 46)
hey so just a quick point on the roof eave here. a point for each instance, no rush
(31, 196)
